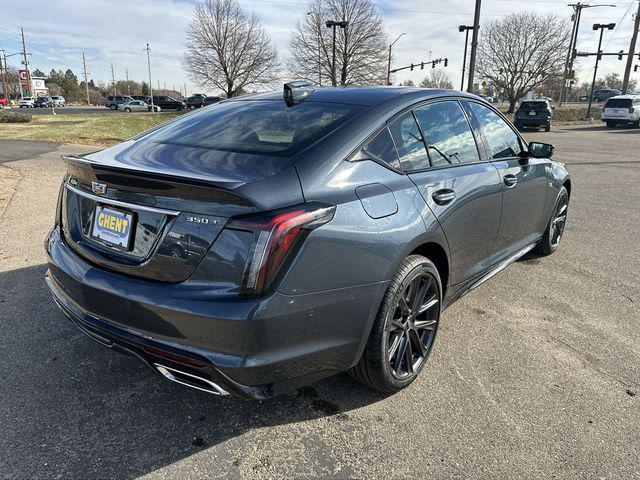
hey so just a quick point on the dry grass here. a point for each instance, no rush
(90, 129)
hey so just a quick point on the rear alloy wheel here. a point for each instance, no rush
(553, 234)
(405, 327)
(113, 107)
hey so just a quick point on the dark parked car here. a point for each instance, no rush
(195, 102)
(43, 102)
(266, 242)
(534, 114)
(112, 101)
(168, 103)
(201, 101)
(604, 95)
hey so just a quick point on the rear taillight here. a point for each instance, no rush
(58, 219)
(276, 237)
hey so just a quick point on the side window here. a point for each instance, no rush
(382, 147)
(502, 140)
(447, 133)
(409, 143)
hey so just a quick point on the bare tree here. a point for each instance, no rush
(520, 52)
(437, 78)
(227, 48)
(360, 48)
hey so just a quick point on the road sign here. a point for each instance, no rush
(23, 75)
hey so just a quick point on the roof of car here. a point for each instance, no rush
(368, 96)
(625, 97)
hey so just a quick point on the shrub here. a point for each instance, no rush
(14, 117)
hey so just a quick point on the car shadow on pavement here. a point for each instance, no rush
(72, 408)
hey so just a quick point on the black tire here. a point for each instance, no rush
(113, 107)
(555, 228)
(636, 124)
(391, 329)
(128, 110)
(611, 124)
(547, 129)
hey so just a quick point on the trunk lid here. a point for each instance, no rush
(153, 210)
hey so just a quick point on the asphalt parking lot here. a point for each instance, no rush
(535, 374)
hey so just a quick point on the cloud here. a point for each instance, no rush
(116, 31)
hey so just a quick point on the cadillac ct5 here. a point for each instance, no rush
(272, 240)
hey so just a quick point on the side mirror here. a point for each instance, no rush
(541, 150)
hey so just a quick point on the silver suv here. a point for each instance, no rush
(59, 101)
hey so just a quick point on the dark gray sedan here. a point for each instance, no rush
(272, 240)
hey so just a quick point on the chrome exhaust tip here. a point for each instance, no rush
(190, 380)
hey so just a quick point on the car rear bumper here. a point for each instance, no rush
(532, 122)
(620, 120)
(254, 348)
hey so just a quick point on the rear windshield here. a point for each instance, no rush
(256, 126)
(618, 103)
(534, 105)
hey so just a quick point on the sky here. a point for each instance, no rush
(57, 33)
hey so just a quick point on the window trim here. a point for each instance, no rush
(487, 148)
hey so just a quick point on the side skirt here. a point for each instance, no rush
(466, 287)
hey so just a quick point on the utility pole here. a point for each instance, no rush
(3, 70)
(26, 62)
(568, 68)
(150, 84)
(602, 27)
(632, 51)
(474, 46)
(86, 80)
(113, 80)
(126, 72)
(464, 28)
(389, 62)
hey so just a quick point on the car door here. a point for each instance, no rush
(524, 180)
(463, 192)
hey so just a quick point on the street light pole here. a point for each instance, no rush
(389, 62)
(333, 24)
(464, 28)
(602, 27)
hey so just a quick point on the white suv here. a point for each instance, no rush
(59, 101)
(26, 102)
(622, 110)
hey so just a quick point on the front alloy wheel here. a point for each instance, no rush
(553, 234)
(404, 330)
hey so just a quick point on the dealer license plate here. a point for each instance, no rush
(112, 226)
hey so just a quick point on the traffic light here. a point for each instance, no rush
(620, 54)
(422, 66)
(433, 64)
(446, 62)
(412, 67)
(635, 69)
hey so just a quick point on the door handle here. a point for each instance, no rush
(444, 196)
(510, 180)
